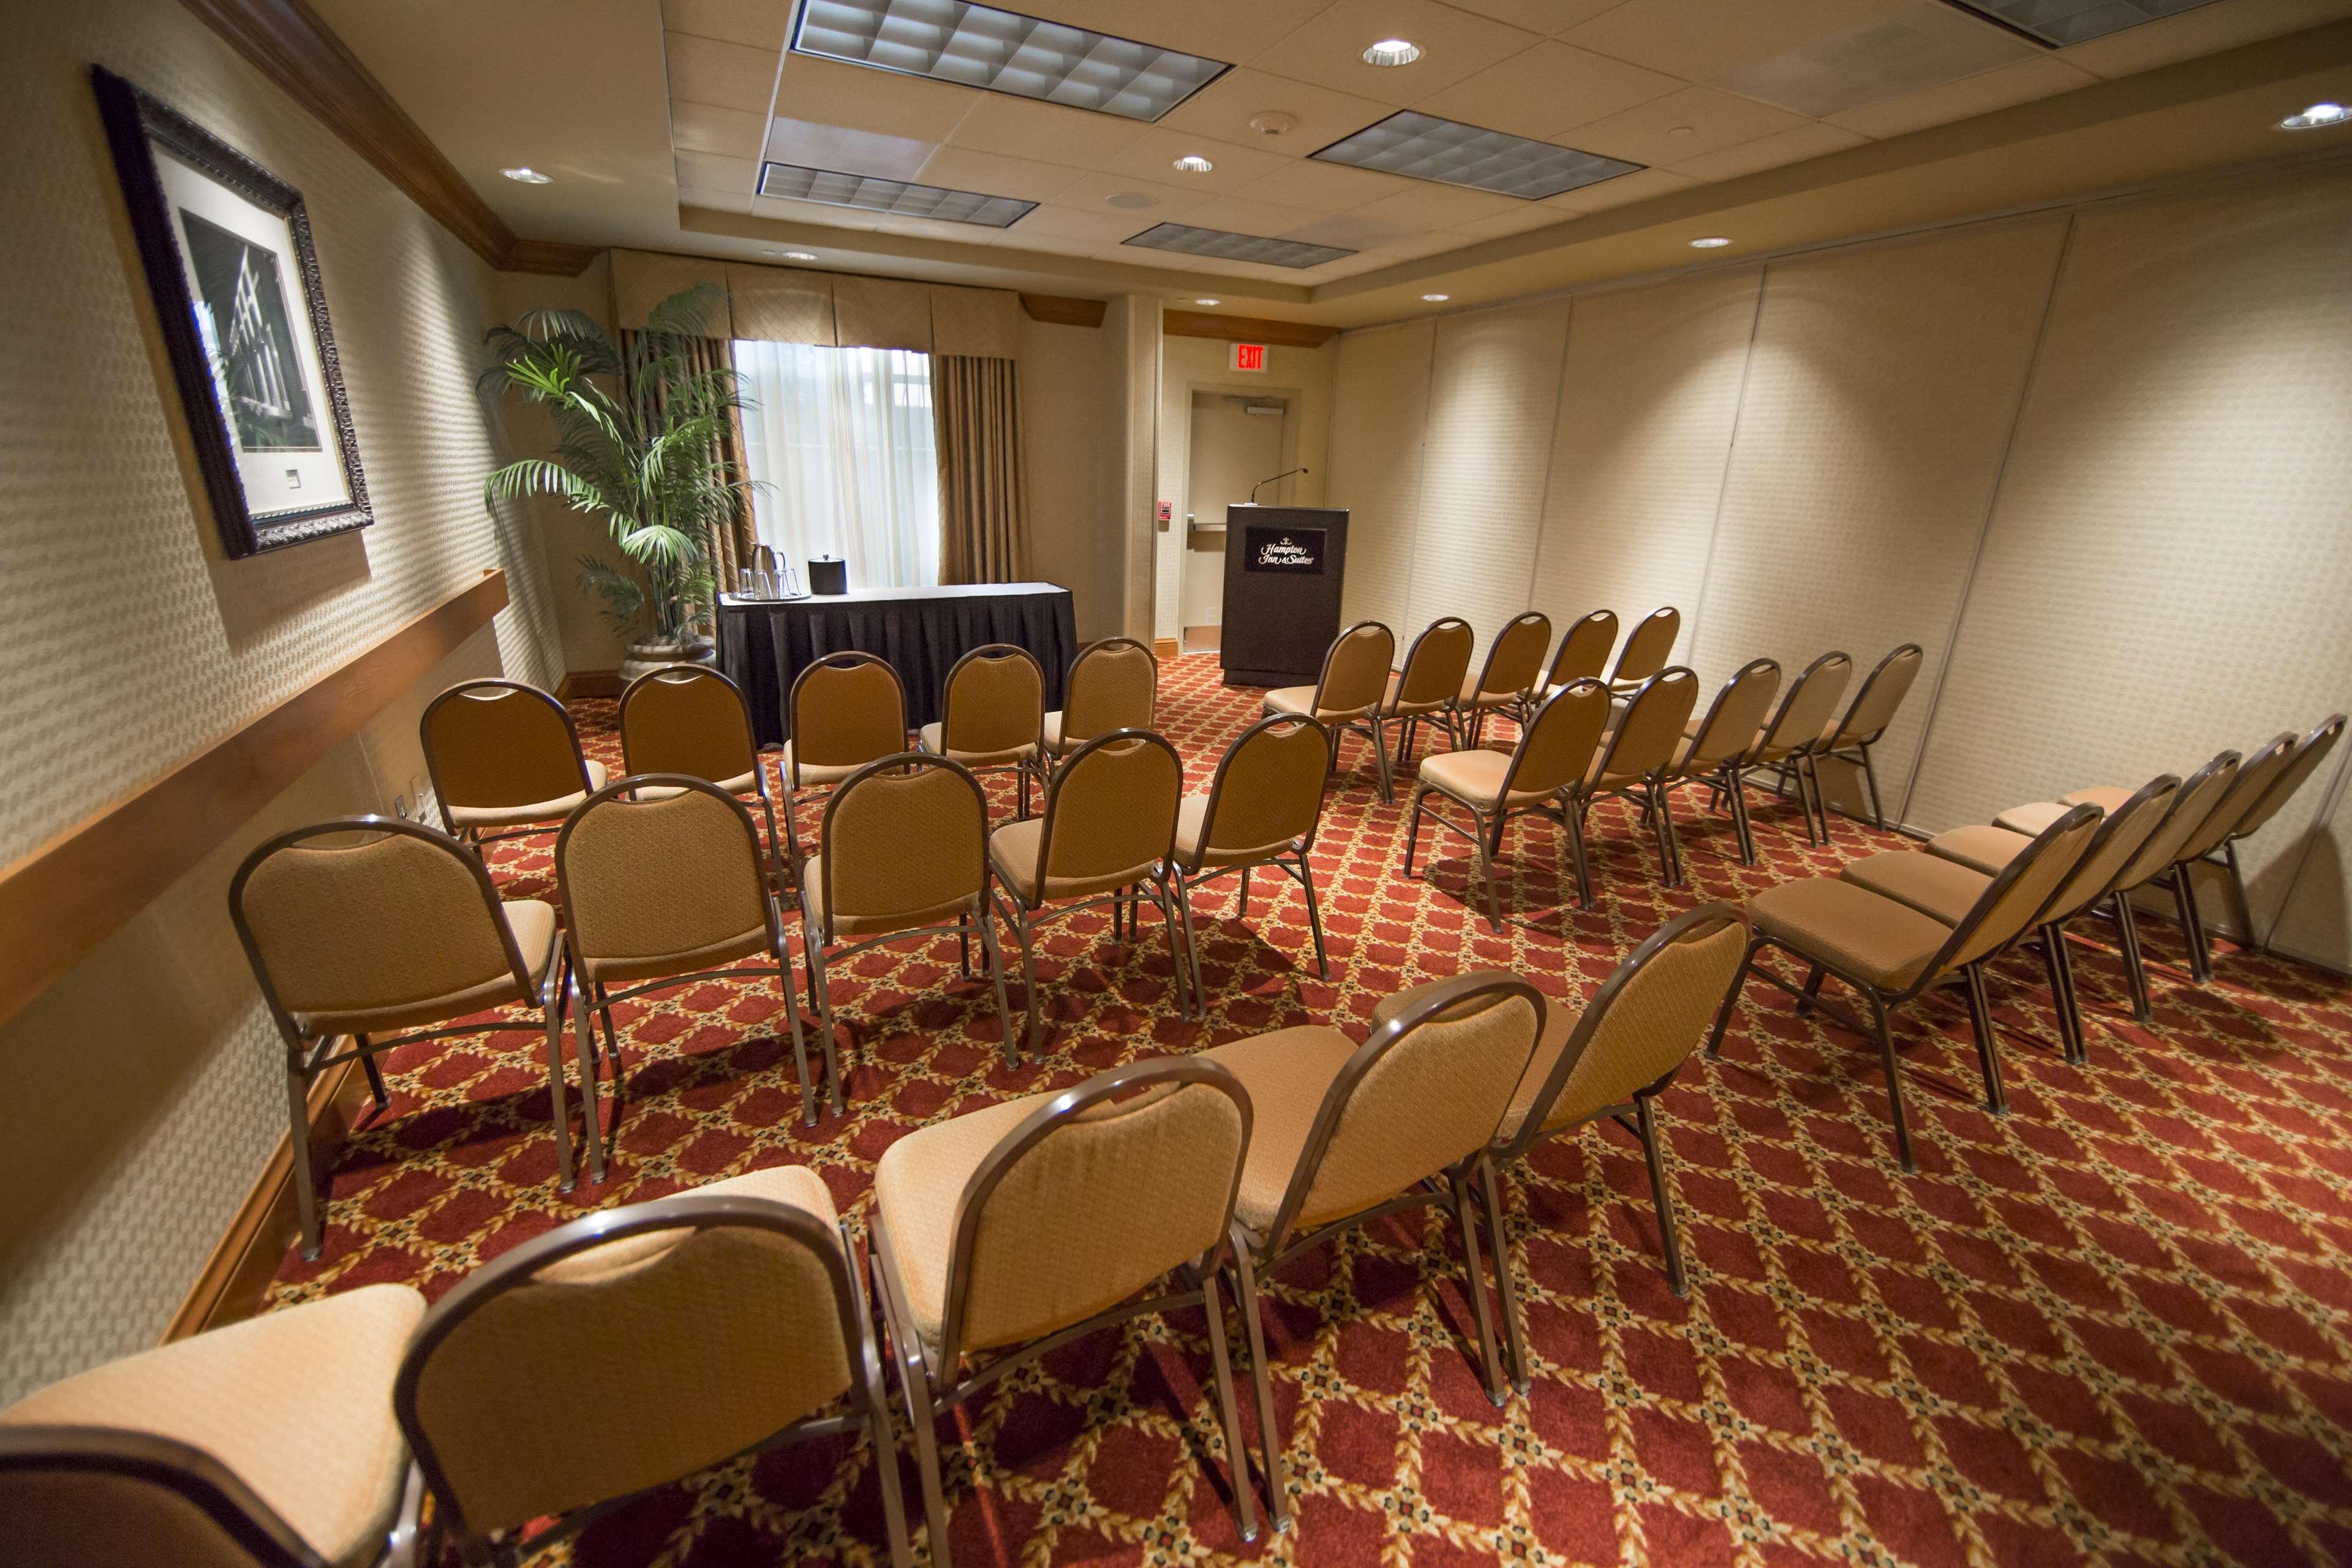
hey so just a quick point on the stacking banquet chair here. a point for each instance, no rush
(1786, 745)
(1349, 694)
(268, 1444)
(1023, 1227)
(1717, 750)
(902, 851)
(1632, 764)
(844, 711)
(1612, 1060)
(687, 719)
(1109, 832)
(386, 942)
(1875, 706)
(634, 1347)
(1963, 859)
(1554, 750)
(1647, 647)
(1263, 808)
(505, 760)
(1584, 656)
(1114, 684)
(1425, 690)
(1346, 1134)
(2309, 753)
(1890, 954)
(663, 882)
(993, 716)
(1513, 669)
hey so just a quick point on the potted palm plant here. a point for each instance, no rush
(639, 429)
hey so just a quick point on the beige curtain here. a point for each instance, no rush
(731, 544)
(983, 493)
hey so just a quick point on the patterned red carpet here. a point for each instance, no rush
(2114, 1327)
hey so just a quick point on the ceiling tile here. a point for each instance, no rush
(1046, 132)
(731, 76)
(813, 145)
(1323, 187)
(962, 169)
(1214, 29)
(1429, 205)
(1646, 134)
(707, 128)
(1424, 245)
(758, 23)
(1539, 15)
(1153, 156)
(863, 98)
(1455, 45)
(1700, 40)
(1535, 214)
(1168, 201)
(789, 211)
(710, 172)
(715, 200)
(2206, 30)
(1542, 92)
(1792, 146)
(1622, 191)
(1350, 231)
(1921, 45)
(2042, 76)
(1091, 226)
(1238, 217)
(1223, 110)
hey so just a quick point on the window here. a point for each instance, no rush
(840, 443)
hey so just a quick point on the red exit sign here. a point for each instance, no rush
(1249, 356)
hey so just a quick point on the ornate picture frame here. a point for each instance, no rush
(225, 246)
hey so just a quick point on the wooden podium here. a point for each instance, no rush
(1284, 568)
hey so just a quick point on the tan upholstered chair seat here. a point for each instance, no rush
(1981, 848)
(1885, 943)
(1287, 1072)
(816, 773)
(297, 1403)
(916, 1186)
(1301, 700)
(1057, 742)
(715, 956)
(1476, 778)
(1943, 889)
(2106, 798)
(1192, 822)
(537, 811)
(794, 1187)
(1471, 697)
(930, 742)
(533, 924)
(813, 888)
(1560, 1022)
(1012, 851)
(2032, 818)
(1392, 708)
(741, 783)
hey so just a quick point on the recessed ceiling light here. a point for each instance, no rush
(1193, 164)
(1130, 201)
(524, 174)
(799, 255)
(1426, 148)
(1392, 52)
(1231, 247)
(1208, 302)
(1712, 242)
(836, 189)
(1438, 299)
(2315, 117)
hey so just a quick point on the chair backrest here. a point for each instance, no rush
(1268, 790)
(1555, 748)
(1356, 669)
(626, 1349)
(1428, 1086)
(2018, 892)
(403, 915)
(1515, 659)
(2255, 776)
(1102, 1189)
(1734, 720)
(99, 1497)
(1648, 645)
(2191, 807)
(645, 878)
(1881, 694)
(1805, 710)
(902, 837)
(846, 709)
(687, 719)
(1584, 648)
(2309, 753)
(1114, 685)
(2122, 834)
(500, 743)
(1652, 729)
(995, 700)
(1645, 1020)
(1438, 662)
(1110, 812)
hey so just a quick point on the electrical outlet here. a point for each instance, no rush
(400, 807)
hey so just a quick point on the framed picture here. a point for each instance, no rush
(225, 246)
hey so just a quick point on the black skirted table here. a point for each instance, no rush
(764, 644)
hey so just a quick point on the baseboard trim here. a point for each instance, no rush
(589, 683)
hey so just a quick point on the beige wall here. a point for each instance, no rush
(145, 1088)
(1065, 425)
(2091, 460)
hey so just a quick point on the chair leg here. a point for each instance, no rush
(1653, 807)
(1474, 1281)
(1894, 1081)
(565, 1176)
(1240, 897)
(1478, 839)
(2246, 911)
(818, 983)
(1987, 1039)
(305, 1175)
(2134, 963)
(787, 989)
(1646, 1123)
(1814, 974)
(2061, 970)
(1514, 1331)
(995, 956)
(592, 1110)
(1380, 755)
(1029, 981)
(1735, 789)
(1187, 991)
(915, 1383)
(1573, 820)
(1245, 1299)
(2192, 926)
(1313, 927)
(1870, 777)
(1193, 941)
(1731, 1000)
(1412, 827)
(1236, 1454)
(1673, 838)
(374, 1071)
(881, 1437)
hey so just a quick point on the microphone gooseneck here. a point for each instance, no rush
(1263, 483)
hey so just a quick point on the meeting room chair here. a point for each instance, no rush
(1514, 667)
(1108, 833)
(663, 882)
(1634, 760)
(902, 851)
(1032, 1223)
(268, 1443)
(1347, 694)
(1348, 1134)
(844, 711)
(690, 719)
(1889, 953)
(1553, 754)
(1721, 745)
(993, 717)
(1264, 805)
(632, 1348)
(1647, 647)
(1584, 656)
(361, 947)
(1851, 738)
(1425, 690)
(1786, 745)
(2309, 753)
(504, 760)
(1113, 684)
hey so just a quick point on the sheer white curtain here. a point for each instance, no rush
(841, 441)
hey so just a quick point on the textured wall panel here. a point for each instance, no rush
(1646, 408)
(1379, 404)
(1494, 385)
(2170, 559)
(1881, 391)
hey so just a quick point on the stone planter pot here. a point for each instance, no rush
(642, 656)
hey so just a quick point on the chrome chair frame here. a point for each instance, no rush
(1797, 765)
(1857, 750)
(1486, 839)
(1024, 772)
(1725, 778)
(1473, 722)
(795, 793)
(1409, 724)
(778, 859)
(473, 837)
(1645, 791)
(1194, 874)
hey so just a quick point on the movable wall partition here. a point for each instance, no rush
(2095, 461)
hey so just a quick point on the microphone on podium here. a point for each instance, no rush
(1263, 483)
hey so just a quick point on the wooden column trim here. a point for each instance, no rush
(1063, 311)
(62, 899)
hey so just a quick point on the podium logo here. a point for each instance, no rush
(1286, 549)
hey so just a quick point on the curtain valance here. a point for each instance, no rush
(829, 310)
